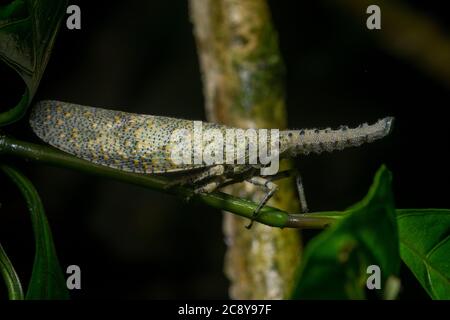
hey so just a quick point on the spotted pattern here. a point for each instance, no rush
(296, 142)
(142, 143)
(126, 141)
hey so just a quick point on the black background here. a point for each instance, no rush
(140, 56)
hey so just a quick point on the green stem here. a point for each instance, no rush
(17, 112)
(47, 279)
(10, 276)
(242, 207)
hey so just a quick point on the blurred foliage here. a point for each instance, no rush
(47, 279)
(10, 276)
(27, 32)
(425, 248)
(335, 262)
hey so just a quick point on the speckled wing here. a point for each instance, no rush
(121, 140)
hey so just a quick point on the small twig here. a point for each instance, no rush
(242, 207)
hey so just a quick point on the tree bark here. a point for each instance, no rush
(243, 77)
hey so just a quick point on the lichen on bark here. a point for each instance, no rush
(243, 77)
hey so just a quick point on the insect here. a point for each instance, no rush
(143, 144)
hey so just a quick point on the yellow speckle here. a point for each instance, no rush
(74, 135)
(67, 114)
(106, 157)
(136, 162)
(59, 122)
(49, 117)
(109, 125)
(62, 135)
(94, 125)
(91, 145)
(58, 109)
(88, 114)
(117, 161)
(139, 132)
(116, 119)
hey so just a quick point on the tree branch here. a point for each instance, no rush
(244, 208)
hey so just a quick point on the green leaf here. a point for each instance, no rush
(27, 32)
(47, 279)
(10, 276)
(425, 248)
(335, 262)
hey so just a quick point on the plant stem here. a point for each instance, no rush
(13, 285)
(242, 207)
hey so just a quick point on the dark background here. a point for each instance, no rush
(140, 56)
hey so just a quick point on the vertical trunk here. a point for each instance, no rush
(243, 87)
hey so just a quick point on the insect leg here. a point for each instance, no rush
(271, 189)
(194, 178)
(299, 183)
(212, 178)
(213, 171)
(210, 186)
(301, 193)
